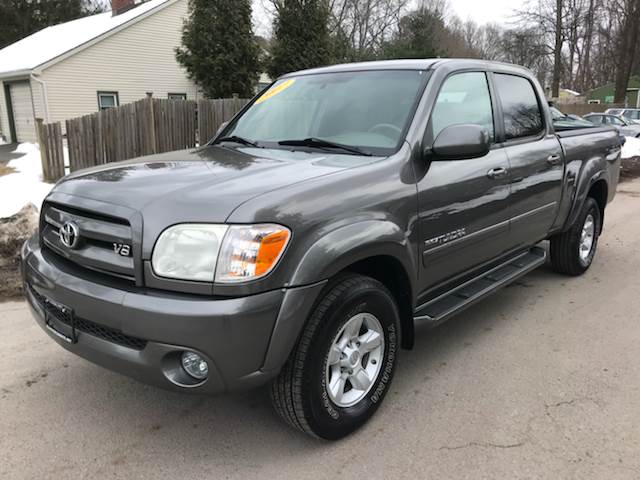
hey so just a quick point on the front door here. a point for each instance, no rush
(463, 204)
(22, 110)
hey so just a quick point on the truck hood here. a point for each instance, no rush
(200, 185)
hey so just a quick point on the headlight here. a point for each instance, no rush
(250, 251)
(233, 254)
(188, 251)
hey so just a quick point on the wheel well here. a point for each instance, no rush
(390, 272)
(599, 193)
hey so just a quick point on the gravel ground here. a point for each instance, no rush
(542, 380)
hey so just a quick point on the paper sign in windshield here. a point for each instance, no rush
(276, 90)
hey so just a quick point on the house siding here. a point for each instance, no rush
(132, 62)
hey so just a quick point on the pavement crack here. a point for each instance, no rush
(570, 403)
(482, 445)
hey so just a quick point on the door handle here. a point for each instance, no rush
(496, 173)
(554, 159)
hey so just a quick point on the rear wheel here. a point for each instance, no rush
(572, 252)
(343, 364)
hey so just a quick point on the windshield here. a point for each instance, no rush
(368, 110)
(632, 114)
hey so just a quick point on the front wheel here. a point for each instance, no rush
(572, 251)
(343, 364)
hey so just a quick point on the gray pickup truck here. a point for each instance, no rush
(302, 245)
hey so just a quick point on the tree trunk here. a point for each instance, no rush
(627, 50)
(557, 50)
(585, 76)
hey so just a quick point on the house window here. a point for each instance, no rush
(108, 100)
(177, 96)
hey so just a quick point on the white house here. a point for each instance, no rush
(92, 63)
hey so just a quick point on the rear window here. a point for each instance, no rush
(520, 108)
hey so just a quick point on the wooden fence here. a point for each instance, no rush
(140, 128)
(51, 151)
(144, 127)
(584, 108)
(213, 113)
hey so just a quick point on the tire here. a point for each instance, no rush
(566, 247)
(301, 394)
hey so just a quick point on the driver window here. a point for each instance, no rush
(463, 98)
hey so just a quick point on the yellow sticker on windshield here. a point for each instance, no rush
(275, 90)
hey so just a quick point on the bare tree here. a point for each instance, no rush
(365, 24)
(557, 51)
(627, 47)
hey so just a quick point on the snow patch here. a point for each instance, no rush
(631, 148)
(25, 185)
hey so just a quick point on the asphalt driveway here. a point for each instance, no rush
(6, 153)
(540, 381)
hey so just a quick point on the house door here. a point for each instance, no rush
(22, 108)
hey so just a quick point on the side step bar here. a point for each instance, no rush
(466, 294)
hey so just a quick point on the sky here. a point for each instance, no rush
(482, 11)
(486, 11)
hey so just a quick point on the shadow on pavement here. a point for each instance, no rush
(6, 153)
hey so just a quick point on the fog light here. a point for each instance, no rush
(195, 365)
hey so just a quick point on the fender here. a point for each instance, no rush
(328, 255)
(593, 170)
(334, 251)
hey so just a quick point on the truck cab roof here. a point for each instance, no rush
(412, 64)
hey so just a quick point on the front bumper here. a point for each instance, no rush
(245, 340)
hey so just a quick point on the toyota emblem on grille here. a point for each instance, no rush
(69, 234)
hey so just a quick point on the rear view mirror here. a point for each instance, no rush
(461, 142)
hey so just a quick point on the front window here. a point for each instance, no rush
(177, 96)
(463, 98)
(369, 110)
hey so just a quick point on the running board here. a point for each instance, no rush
(466, 294)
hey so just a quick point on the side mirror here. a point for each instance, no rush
(461, 142)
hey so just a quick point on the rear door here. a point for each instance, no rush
(535, 158)
(463, 204)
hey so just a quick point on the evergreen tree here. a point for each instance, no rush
(420, 35)
(301, 37)
(21, 18)
(218, 48)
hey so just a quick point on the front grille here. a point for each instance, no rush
(86, 326)
(97, 235)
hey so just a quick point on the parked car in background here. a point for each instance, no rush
(623, 125)
(632, 114)
(563, 121)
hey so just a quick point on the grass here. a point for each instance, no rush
(4, 170)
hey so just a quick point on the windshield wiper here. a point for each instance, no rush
(320, 143)
(237, 139)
